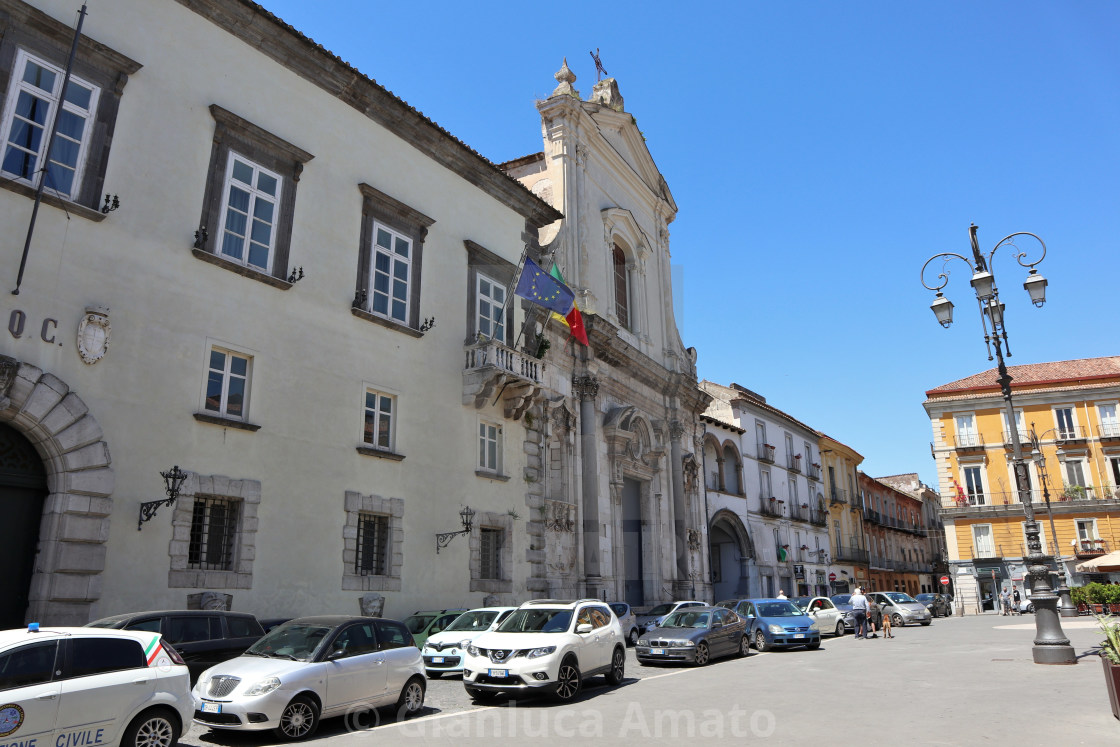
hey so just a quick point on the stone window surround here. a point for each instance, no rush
(232, 133)
(221, 419)
(378, 207)
(481, 260)
(248, 492)
(22, 26)
(356, 504)
(492, 520)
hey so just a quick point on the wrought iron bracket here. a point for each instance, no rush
(444, 539)
(148, 510)
(173, 478)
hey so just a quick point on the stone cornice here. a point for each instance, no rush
(288, 47)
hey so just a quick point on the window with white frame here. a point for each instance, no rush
(982, 544)
(390, 279)
(1087, 529)
(1110, 426)
(213, 534)
(767, 488)
(33, 100)
(1063, 417)
(490, 308)
(489, 553)
(1074, 470)
(378, 427)
(1023, 435)
(490, 447)
(1114, 463)
(974, 485)
(966, 430)
(249, 211)
(227, 384)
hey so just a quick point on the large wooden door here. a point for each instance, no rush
(23, 486)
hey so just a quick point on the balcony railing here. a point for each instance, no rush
(793, 463)
(799, 512)
(851, 555)
(872, 517)
(838, 495)
(768, 506)
(969, 442)
(818, 517)
(1068, 435)
(492, 368)
(1108, 431)
(766, 453)
(1024, 437)
(1090, 548)
(815, 472)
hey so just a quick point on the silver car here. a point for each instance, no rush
(902, 608)
(628, 620)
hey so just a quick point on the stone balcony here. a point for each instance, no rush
(494, 371)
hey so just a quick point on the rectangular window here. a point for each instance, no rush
(1075, 473)
(974, 486)
(489, 548)
(33, 100)
(372, 558)
(966, 431)
(213, 535)
(491, 308)
(379, 420)
(621, 287)
(982, 546)
(489, 447)
(390, 274)
(1087, 529)
(249, 213)
(1064, 417)
(227, 384)
(1110, 426)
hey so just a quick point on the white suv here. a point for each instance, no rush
(546, 646)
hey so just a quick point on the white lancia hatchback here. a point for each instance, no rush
(83, 687)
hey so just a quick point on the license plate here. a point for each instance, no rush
(657, 651)
(499, 673)
(437, 659)
(798, 635)
(211, 707)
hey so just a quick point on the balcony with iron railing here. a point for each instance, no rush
(838, 495)
(793, 463)
(1069, 435)
(1068, 497)
(1024, 438)
(766, 453)
(814, 472)
(850, 555)
(799, 512)
(1090, 548)
(493, 369)
(818, 517)
(770, 506)
(1109, 432)
(872, 517)
(968, 442)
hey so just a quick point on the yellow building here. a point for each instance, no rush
(847, 539)
(1066, 417)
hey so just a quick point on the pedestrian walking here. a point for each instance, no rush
(874, 617)
(859, 612)
(1017, 599)
(1005, 602)
(782, 594)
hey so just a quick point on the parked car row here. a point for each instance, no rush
(902, 608)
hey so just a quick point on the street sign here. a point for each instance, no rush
(832, 577)
(944, 580)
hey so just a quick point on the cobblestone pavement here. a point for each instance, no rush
(960, 681)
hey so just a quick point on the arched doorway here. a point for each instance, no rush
(732, 552)
(23, 487)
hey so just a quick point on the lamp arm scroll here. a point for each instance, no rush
(943, 276)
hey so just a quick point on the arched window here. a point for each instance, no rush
(621, 288)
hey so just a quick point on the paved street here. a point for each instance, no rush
(960, 681)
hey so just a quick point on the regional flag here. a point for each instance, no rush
(539, 287)
(574, 320)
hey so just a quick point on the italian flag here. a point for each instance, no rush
(152, 651)
(574, 320)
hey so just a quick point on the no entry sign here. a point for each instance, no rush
(944, 580)
(832, 577)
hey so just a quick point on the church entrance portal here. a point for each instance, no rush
(23, 486)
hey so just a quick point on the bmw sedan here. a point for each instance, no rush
(311, 668)
(695, 635)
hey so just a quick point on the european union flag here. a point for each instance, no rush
(538, 286)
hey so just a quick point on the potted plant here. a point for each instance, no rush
(1110, 659)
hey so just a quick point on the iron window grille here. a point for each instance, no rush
(489, 548)
(373, 545)
(213, 534)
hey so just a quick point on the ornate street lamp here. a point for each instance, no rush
(467, 517)
(173, 481)
(1050, 643)
(1065, 604)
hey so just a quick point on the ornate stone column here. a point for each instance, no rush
(587, 388)
(680, 511)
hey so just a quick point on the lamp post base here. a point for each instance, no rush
(1055, 655)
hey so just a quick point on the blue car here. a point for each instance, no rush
(775, 623)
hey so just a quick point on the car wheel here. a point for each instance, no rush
(480, 696)
(760, 641)
(568, 680)
(157, 727)
(840, 629)
(896, 620)
(618, 667)
(633, 637)
(1030, 608)
(299, 719)
(745, 645)
(702, 654)
(434, 675)
(411, 701)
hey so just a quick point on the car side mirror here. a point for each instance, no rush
(717, 625)
(583, 628)
(338, 653)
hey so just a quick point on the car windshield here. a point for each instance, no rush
(925, 597)
(418, 623)
(661, 609)
(537, 620)
(687, 619)
(620, 610)
(778, 609)
(842, 598)
(477, 620)
(802, 602)
(298, 642)
(898, 597)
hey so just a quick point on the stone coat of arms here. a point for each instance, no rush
(93, 334)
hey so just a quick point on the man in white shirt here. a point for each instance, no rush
(859, 612)
(781, 593)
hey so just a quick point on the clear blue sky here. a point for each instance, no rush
(818, 152)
